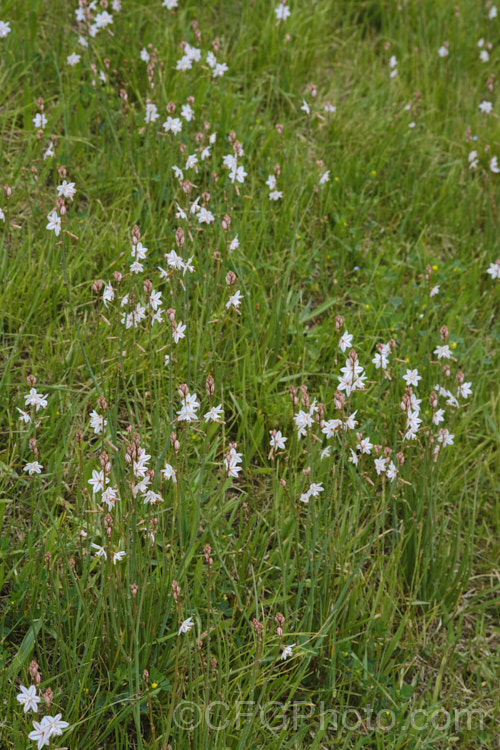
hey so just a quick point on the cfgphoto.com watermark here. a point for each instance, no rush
(275, 716)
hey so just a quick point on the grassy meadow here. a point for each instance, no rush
(249, 375)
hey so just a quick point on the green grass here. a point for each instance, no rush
(389, 590)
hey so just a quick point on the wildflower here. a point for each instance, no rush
(412, 377)
(39, 121)
(100, 551)
(33, 467)
(98, 481)
(97, 422)
(214, 414)
(173, 125)
(219, 70)
(445, 437)
(380, 465)
(438, 416)
(493, 12)
(40, 734)
(232, 461)
(391, 471)
(4, 29)
(28, 698)
(484, 56)
(494, 270)
(190, 406)
(315, 488)
(472, 159)
(54, 725)
(380, 361)
(144, 55)
(54, 223)
(35, 399)
(365, 446)
(302, 420)
(234, 244)
(486, 107)
(330, 427)
(278, 440)
(325, 453)
(49, 152)
(330, 108)
(108, 294)
(205, 216)
(282, 12)
(234, 300)
(23, 416)
(73, 59)
(118, 556)
(109, 497)
(186, 626)
(305, 107)
(443, 352)
(443, 51)
(271, 182)
(345, 341)
(494, 165)
(325, 177)
(169, 473)
(275, 195)
(434, 291)
(178, 331)
(353, 458)
(350, 423)
(170, 4)
(151, 113)
(287, 652)
(139, 251)
(464, 390)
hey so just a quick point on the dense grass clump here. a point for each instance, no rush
(249, 415)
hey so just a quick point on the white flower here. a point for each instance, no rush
(185, 63)
(73, 59)
(325, 453)
(191, 161)
(234, 300)
(211, 59)
(23, 416)
(486, 107)
(186, 625)
(434, 291)
(445, 437)
(330, 427)
(108, 294)
(55, 725)
(39, 121)
(380, 465)
(169, 473)
(330, 108)
(205, 216)
(178, 331)
(438, 416)
(443, 352)
(100, 551)
(282, 12)
(144, 55)
(54, 223)
(494, 270)
(443, 51)
(380, 361)
(325, 177)
(234, 244)
(345, 340)
(484, 56)
(473, 160)
(109, 497)
(190, 406)
(66, 190)
(271, 182)
(97, 422)
(187, 112)
(98, 481)
(494, 165)
(305, 107)
(152, 498)
(214, 414)
(4, 29)
(275, 195)
(464, 390)
(391, 471)
(151, 113)
(35, 399)
(493, 12)
(393, 62)
(173, 125)
(353, 458)
(170, 4)
(28, 698)
(315, 488)
(278, 441)
(49, 152)
(287, 651)
(412, 377)
(365, 446)
(238, 175)
(40, 734)
(219, 70)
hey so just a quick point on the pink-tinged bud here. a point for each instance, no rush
(216, 45)
(306, 471)
(444, 333)
(277, 170)
(460, 377)
(283, 483)
(433, 399)
(210, 385)
(117, 276)
(148, 286)
(339, 322)
(8, 191)
(31, 380)
(338, 400)
(446, 371)
(97, 286)
(400, 457)
(171, 314)
(279, 632)
(183, 390)
(230, 278)
(134, 589)
(279, 128)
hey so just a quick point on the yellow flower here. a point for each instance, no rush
(453, 344)
(373, 173)
(434, 268)
(154, 685)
